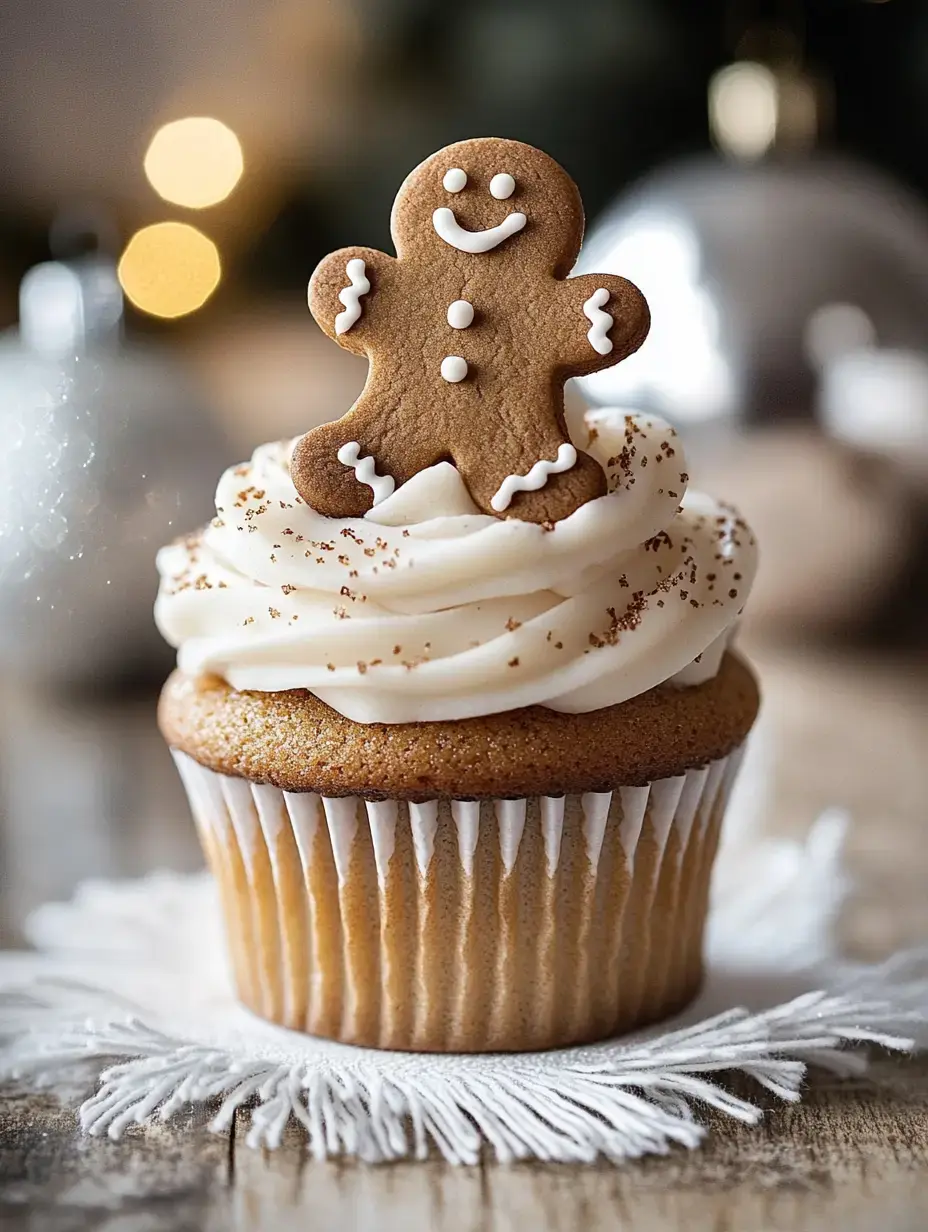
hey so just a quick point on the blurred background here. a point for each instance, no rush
(173, 171)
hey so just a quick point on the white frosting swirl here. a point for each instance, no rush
(427, 609)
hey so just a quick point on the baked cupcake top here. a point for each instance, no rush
(447, 549)
(295, 742)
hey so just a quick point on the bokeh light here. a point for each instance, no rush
(744, 109)
(169, 269)
(835, 330)
(194, 162)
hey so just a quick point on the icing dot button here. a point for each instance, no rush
(460, 314)
(455, 179)
(454, 368)
(502, 186)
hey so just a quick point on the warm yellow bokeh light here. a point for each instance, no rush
(169, 269)
(195, 162)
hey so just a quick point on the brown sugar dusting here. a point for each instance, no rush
(658, 541)
(629, 620)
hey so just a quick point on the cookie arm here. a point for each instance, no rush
(598, 319)
(344, 293)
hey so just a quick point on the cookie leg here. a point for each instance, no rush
(545, 488)
(336, 475)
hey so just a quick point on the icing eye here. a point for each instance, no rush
(501, 186)
(455, 179)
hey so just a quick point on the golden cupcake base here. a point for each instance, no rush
(471, 926)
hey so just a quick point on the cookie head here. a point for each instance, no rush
(489, 195)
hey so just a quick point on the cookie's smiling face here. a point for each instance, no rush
(488, 196)
(484, 239)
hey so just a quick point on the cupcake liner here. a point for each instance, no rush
(463, 925)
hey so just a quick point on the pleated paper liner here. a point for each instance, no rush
(461, 925)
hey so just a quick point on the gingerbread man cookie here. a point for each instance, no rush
(471, 331)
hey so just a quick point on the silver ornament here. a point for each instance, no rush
(735, 260)
(106, 454)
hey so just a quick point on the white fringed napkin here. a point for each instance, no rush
(129, 987)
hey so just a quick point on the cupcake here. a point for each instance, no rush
(456, 707)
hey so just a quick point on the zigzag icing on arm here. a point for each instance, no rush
(600, 322)
(365, 471)
(350, 296)
(536, 478)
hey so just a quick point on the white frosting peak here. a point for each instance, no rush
(439, 487)
(429, 610)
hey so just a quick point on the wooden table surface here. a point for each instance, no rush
(837, 728)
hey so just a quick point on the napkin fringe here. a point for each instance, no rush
(636, 1098)
(77, 1012)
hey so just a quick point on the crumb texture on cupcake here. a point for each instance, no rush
(294, 741)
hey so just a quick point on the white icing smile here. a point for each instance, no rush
(450, 230)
